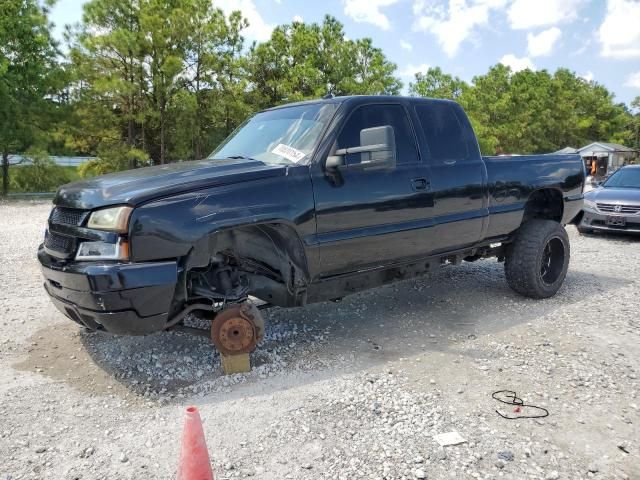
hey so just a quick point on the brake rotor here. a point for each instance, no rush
(237, 329)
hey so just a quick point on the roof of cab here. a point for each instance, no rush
(358, 99)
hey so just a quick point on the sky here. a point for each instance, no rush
(598, 39)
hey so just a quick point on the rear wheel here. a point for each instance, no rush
(536, 262)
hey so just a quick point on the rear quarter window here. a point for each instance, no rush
(443, 131)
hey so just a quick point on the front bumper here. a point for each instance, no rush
(124, 299)
(595, 220)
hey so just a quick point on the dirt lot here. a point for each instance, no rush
(346, 390)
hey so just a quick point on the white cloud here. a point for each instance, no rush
(525, 14)
(633, 80)
(368, 11)
(588, 77)
(298, 18)
(619, 33)
(452, 24)
(406, 45)
(516, 63)
(542, 44)
(410, 70)
(258, 29)
(583, 48)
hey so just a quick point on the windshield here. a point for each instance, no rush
(285, 135)
(624, 178)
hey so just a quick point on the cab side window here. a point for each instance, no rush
(443, 130)
(369, 116)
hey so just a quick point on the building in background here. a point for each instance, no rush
(601, 159)
(566, 151)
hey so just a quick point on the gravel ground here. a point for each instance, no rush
(349, 390)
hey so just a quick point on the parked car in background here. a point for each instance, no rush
(615, 204)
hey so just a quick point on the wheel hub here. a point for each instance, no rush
(552, 261)
(237, 329)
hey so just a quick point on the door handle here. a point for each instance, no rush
(420, 184)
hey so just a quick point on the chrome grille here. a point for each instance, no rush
(68, 216)
(614, 208)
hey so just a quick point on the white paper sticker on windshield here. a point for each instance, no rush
(288, 152)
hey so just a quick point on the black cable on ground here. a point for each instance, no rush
(512, 399)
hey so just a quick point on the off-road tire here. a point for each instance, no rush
(537, 260)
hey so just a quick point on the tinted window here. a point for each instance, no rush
(442, 128)
(370, 116)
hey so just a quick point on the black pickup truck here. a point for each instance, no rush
(304, 203)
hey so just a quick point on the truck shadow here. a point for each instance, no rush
(435, 313)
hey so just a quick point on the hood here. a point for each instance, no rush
(618, 196)
(133, 187)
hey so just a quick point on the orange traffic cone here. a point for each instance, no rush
(194, 457)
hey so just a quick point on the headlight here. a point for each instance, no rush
(114, 219)
(103, 251)
(589, 204)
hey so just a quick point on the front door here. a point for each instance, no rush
(370, 216)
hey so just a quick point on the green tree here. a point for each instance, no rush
(159, 76)
(370, 72)
(434, 83)
(214, 100)
(29, 78)
(113, 160)
(302, 61)
(633, 128)
(585, 111)
(536, 112)
(487, 104)
(166, 25)
(169, 79)
(108, 79)
(39, 173)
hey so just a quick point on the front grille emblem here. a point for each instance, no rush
(617, 208)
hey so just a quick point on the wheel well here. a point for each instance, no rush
(274, 244)
(264, 260)
(546, 204)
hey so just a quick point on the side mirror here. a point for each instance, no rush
(334, 161)
(377, 149)
(378, 146)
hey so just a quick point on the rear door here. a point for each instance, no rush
(368, 217)
(458, 174)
